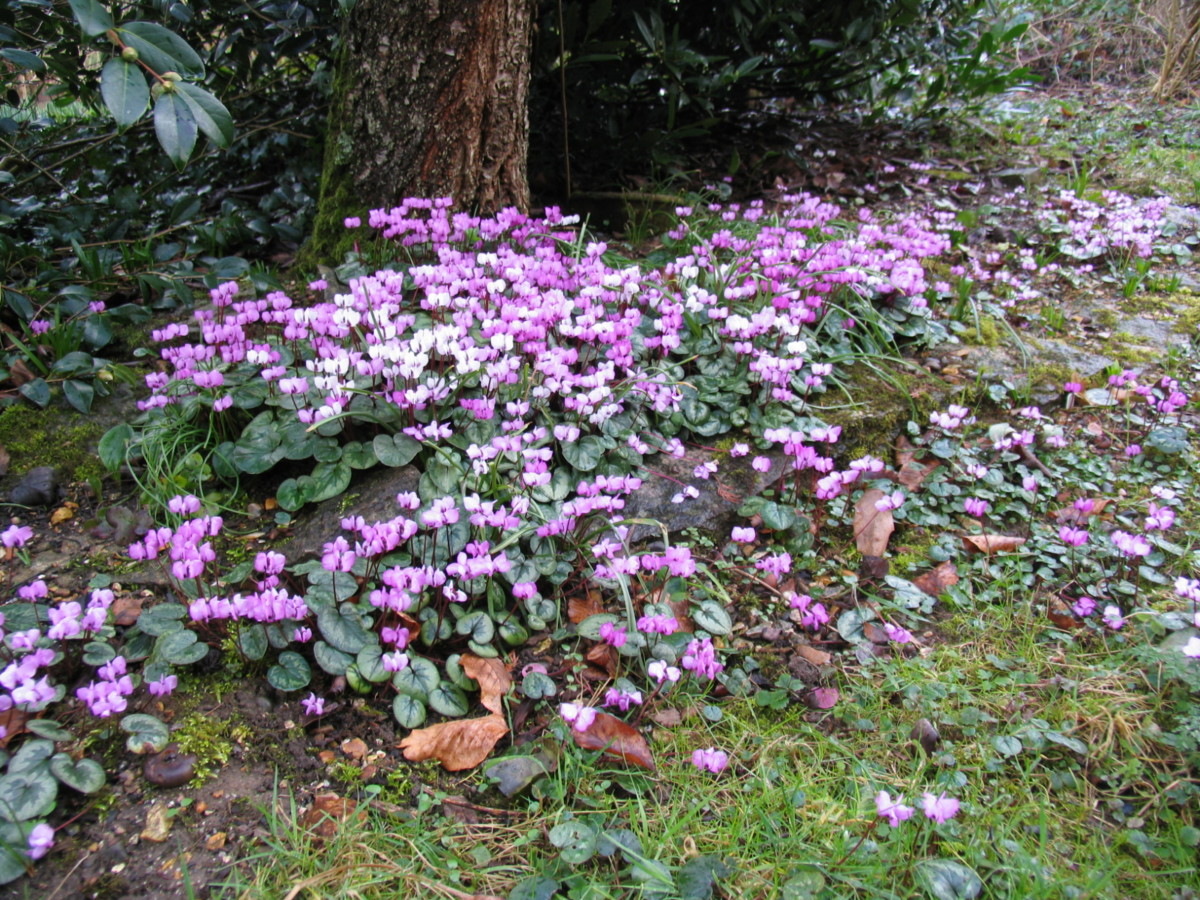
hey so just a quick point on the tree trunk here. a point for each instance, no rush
(429, 100)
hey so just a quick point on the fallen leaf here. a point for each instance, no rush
(813, 656)
(872, 527)
(935, 581)
(326, 756)
(355, 748)
(875, 633)
(493, 677)
(580, 607)
(327, 812)
(1063, 618)
(126, 608)
(926, 734)
(668, 718)
(992, 543)
(216, 842)
(20, 373)
(910, 473)
(603, 656)
(457, 745)
(158, 824)
(615, 738)
(12, 723)
(60, 515)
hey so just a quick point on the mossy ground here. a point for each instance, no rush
(54, 437)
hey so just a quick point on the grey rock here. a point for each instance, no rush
(39, 487)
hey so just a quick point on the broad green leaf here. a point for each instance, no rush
(93, 18)
(162, 50)
(289, 495)
(293, 672)
(332, 660)
(176, 128)
(23, 59)
(113, 446)
(535, 887)
(49, 729)
(585, 454)
(697, 876)
(97, 332)
(1006, 745)
(395, 449)
(27, 796)
(144, 729)
(85, 776)
(370, 663)
(79, 394)
(448, 700)
(342, 629)
(359, 455)
(948, 879)
(165, 618)
(478, 626)
(252, 641)
(329, 480)
(538, 685)
(713, 618)
(181, 648)
(36, 392)
(32, 757)
(418, 680)
(125, 92)
(408, 710)
(575, 840)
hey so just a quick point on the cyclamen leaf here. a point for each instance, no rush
(125, 92)
(85, 775)
(948, 879)
(27, 796)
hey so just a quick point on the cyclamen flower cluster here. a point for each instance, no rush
(937, 807)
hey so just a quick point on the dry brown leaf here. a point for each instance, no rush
(668, 718)
(126, 608)
(62, 514)
(1063, 618)
(457, 745)
(493, 677)
(355, 748)
(937, 580)
(617, 739)
(12, 723)
(813, 656)
(20, 373)
(875, 633)
(872, 527)
(604, 656)
(992, 543)
(909, 472)
(327, 813)
(580, 607)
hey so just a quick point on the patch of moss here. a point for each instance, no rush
(51, 437)
(212, 741)
(1107, 318)
(880, 409)
(1125, 349)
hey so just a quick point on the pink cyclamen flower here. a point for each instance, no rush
(313, 705)
(889, 502)
(612, 634)
(1113, 618)
(742, 535)
(893, 810)
(579, 717)
(16, 535)
(40, 840)
(1072, 537)
(939, 808)
(1073, 387)
(1084, 607)
(712, 760)
(761, 464)
(976, 507)
(163, 686)
(1133, 450)
(1192, 647)
(897, 634)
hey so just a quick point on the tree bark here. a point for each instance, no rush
(430, 99)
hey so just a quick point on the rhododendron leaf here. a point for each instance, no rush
(28, 795)
(343, 629)
(175, 127)
(713, 618)
(252, 641)
(92, 17)
(457, 745)
(214, 120)
(408, 711)
(615, 738)
(114, 446)
(145, 730)
(575, 840)
(85, 775)
(36, 392)
(124, 90)
(162, 50)
(330, 659)
(948, 879)
(395, 450)
(418, 679)
(448, 700)
(292, 673)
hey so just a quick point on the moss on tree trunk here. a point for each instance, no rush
(429, 100)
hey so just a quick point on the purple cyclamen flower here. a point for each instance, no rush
(16, 535)
(976, 507)
(1084, 607)
(313, 705)
(612, 634)
(623, 700)
(712, 760)
(889, 502)
(761, 464)
(1133, 450)
(163, 686)
(40, 840)
(1131, 545)
(700, 659)
(579, 717)
(660, 671)
(1072, 537)
(1113, 618)
(742, 535)
(939, 808)
(1192, 647)
(897, 634)
(893, 810)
